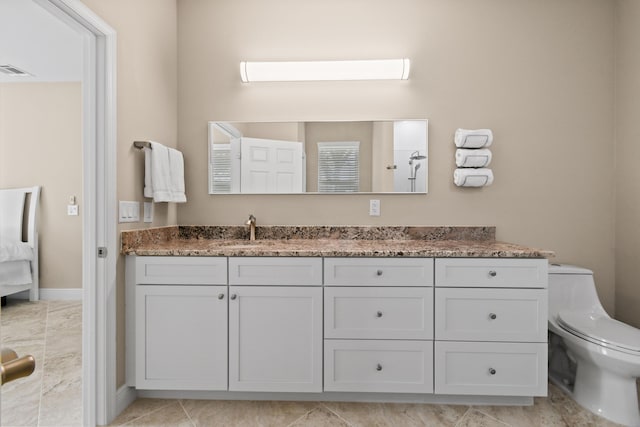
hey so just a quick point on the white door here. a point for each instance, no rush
(181, 343)
(275, 338)
(271, 166)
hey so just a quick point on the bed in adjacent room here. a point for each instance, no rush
(19, 241)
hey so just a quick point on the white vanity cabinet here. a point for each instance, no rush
(275, 332)
(378, 325)
(338, 328)
(491, 326)
(179, 334)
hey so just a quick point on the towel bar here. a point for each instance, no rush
(142, 144)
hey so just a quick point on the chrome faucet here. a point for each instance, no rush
(251, 222)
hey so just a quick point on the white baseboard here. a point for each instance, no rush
(125, 396)
(61, 294)
(52, 294)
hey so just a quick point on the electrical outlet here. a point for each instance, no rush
(72, 210)
(148, 212)
(374, 207)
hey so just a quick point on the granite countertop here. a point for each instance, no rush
(324, 241)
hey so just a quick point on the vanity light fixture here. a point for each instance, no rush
(297, 71)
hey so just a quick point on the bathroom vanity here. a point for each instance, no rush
(417, 318)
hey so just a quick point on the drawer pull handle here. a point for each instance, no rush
(379, 314)
(220, 296)
(379, 367)
(234, 296)
(379, 272)
(493, 316)
(492, 371)
(493, 273)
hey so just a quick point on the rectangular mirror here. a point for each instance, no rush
(338, 157)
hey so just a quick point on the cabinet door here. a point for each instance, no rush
(275, 339)
(181, 337)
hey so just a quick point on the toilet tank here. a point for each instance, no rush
(572, 287)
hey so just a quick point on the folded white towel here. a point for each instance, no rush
(176, 185)
(160, 173)
(478, 158)
(478, 138)
(473, 177)
(148, 185)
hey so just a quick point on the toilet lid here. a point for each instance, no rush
(604, 329)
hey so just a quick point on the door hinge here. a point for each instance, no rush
(102, 252)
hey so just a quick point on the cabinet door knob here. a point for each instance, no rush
(493, 273)
(379, 272)
(379, 314)
(378, 367)
(492, 371)
(492, 316)
(220, 296)
(234, 296)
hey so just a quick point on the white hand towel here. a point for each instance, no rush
(473, 177)
(176, 163)
(478, 158)
(148, 185)
(160, 173)
(478, 138)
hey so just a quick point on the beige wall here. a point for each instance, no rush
(41, 144)
(539, 73)
(147, 107)
(627, 152)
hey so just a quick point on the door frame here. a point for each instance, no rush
(99, 207)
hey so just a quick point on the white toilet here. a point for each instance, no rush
(593, 357)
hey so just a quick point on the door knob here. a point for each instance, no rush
(14, 367)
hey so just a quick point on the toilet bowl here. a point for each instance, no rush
(593, 357)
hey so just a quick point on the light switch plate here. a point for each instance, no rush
(72, 210)
(129, 212)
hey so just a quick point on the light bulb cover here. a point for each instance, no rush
(296, 71)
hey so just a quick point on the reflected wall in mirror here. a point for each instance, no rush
(337, 157)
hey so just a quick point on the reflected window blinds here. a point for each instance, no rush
(338, 167)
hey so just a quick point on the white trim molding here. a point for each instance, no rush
(125, 396)
(53, 294)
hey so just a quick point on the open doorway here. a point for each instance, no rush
(97, 201)
(41, 145)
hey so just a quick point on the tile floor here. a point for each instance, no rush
(51, 331)
(51, 396)
(556, 410)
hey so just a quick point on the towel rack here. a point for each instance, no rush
(142, 144)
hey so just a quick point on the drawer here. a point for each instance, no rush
(378, 313)
(499, 369)
(280, 271)
(378, 366)
(472, 314)
(170, 270)
(492, 272)
(378, 271)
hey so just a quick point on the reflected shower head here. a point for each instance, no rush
(416, 156)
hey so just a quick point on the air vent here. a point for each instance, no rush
(13, 71)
